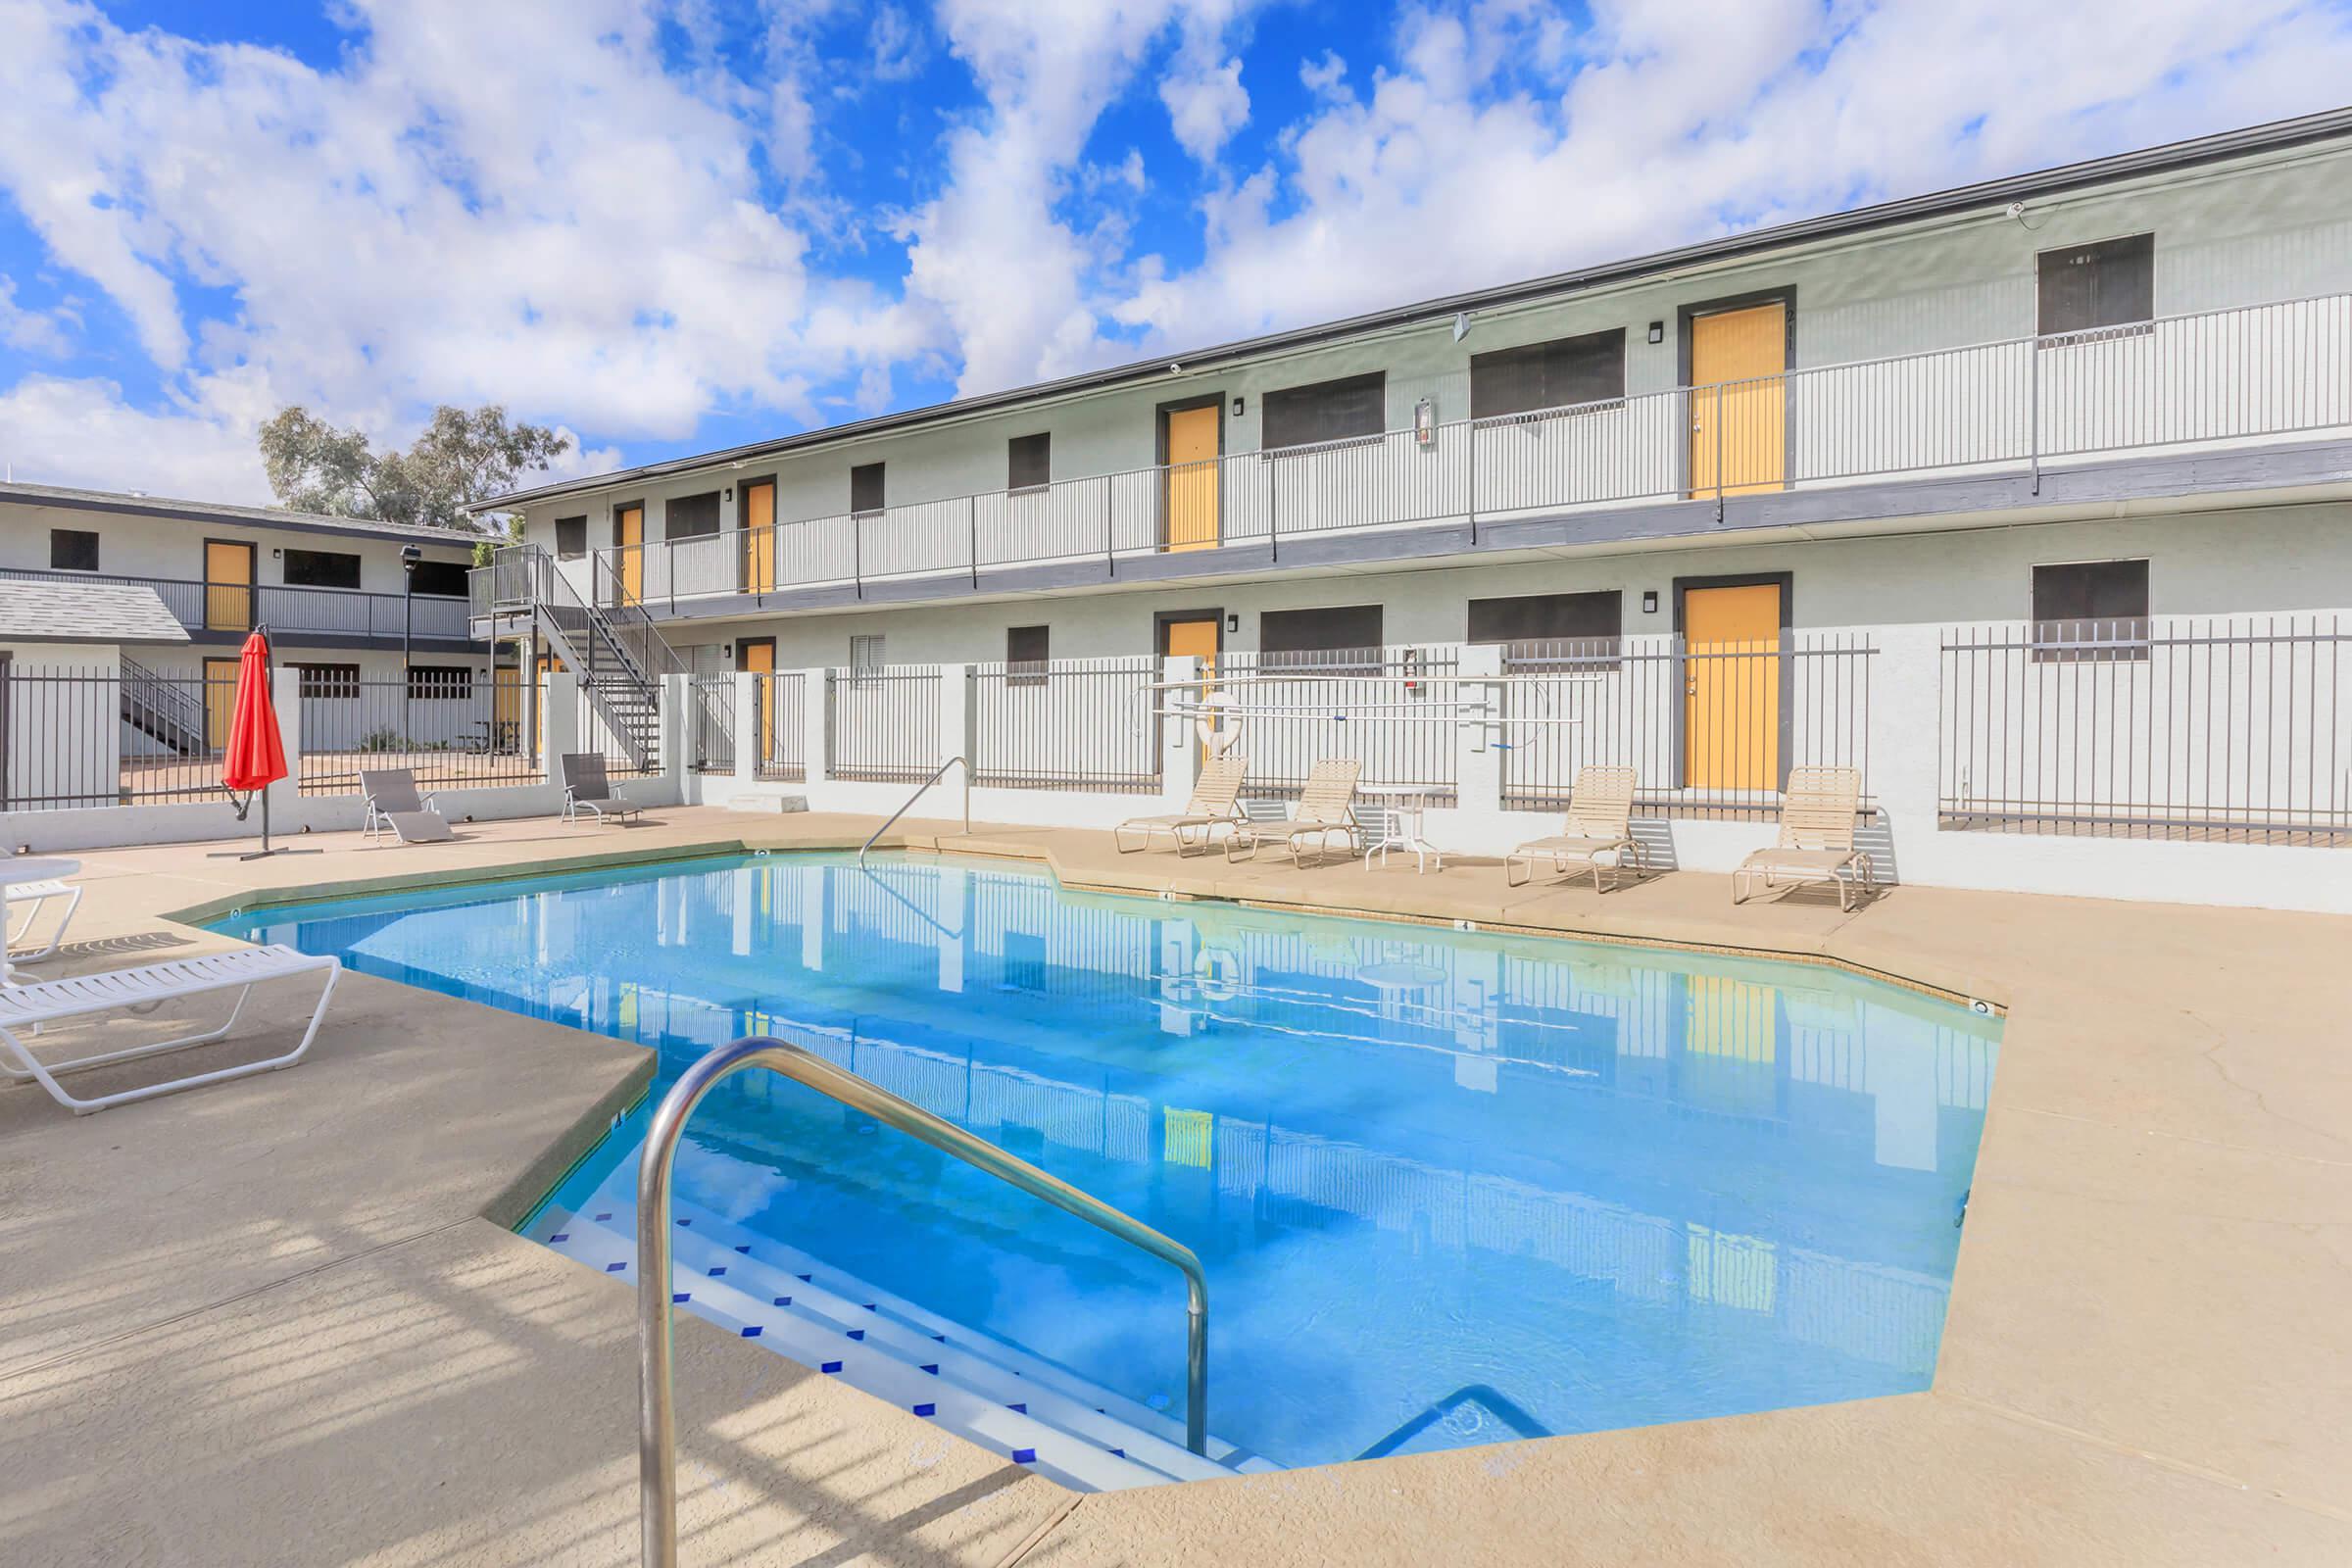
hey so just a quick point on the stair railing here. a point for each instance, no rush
(657, 1427)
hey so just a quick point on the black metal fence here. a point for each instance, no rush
(77, 737)
(1710, 729)
(447, 732)
(1395, 709)
(780, 706)
(711, 722)
(883, 724)
(1067, 724)
(2228, 729)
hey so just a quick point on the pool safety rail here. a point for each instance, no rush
(937, 773)
(657, 1430)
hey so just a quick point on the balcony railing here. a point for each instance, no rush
(235, 607)
(2215, 378)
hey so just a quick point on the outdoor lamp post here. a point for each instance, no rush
(410, 554)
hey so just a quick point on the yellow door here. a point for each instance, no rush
(505, 711)
(629, 538)
(1192, 480)
(757, 656)
(1732, 669)
(759, 537)
(220, 701)
(227, 586)
(1192, 639)
(1738, 407)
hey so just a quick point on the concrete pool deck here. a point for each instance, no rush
(281, 1319)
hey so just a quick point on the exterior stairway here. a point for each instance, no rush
(612, 646)
(160, 710)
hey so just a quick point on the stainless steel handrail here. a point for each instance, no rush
(657, 1429)
(918, 795)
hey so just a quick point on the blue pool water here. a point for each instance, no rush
(1447, 1187)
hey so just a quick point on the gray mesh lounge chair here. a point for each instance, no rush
(1818, 809)
(587, 789)
(1326, 805)
(1597, 830)
(1215, 803)
(393, 803)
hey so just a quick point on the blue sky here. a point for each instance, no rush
(671, 225)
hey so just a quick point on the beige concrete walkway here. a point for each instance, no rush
(265, 1322)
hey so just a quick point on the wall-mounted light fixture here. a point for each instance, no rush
(277, 555)
(1462, 325)
(1650, 602)
(1233, 623)
(730, 494)
(1237, 407)
(1657, 331)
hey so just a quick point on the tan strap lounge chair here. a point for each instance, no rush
(393, 803)
(1216, 803)
(1818, 810)
(1327, 806)
(1597, 830)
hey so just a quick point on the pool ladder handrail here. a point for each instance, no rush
(894, 816)
(657, 1430)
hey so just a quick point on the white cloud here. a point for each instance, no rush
(897, 42)
(1207, 104)
(31, 331)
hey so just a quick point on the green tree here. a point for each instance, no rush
(463, 455)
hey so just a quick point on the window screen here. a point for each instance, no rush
(2085, 287)
(428, 682)
(321, 568)
(327, 680)
(73, 550)
(1029, 462)
(1314, 636)
(689, 517)
(1328, 410)
(571, 538)
(444, 577)
(866, 488)
(1542, 630)
(1025, 655)
(2091, 609)
(1558, 374)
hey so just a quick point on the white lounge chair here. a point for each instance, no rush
(32, 897)
(1215, 803)
(393, 803)
(1326, 805)
(1816, 841)
(588, 788)
(1597, 831)
(25, 1010)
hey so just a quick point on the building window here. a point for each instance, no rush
(571, 538)
(321, 568)
(689, 517)
(327, 680)
(1029, 462)
(866, 488)
(1344, 637)
(1328, 410)
(1552, 631)
(444, 578)
(2092, 611)
(867, 655)
(1563, 374)
(440, 681)
(73, 550)
(2084, 288)
(1025, 655)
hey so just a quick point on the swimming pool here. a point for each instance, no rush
(1447, 1187)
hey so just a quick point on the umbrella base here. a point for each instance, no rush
(256, 854)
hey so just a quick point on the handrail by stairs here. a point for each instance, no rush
(918, 795)
(657, 1429)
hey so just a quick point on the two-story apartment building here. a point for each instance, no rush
(2107, 390)
(372, 614)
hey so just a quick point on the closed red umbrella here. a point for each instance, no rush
(255, 756)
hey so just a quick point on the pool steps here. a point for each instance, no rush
(1081, 1435)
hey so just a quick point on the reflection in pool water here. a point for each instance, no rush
(1449, 1187)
